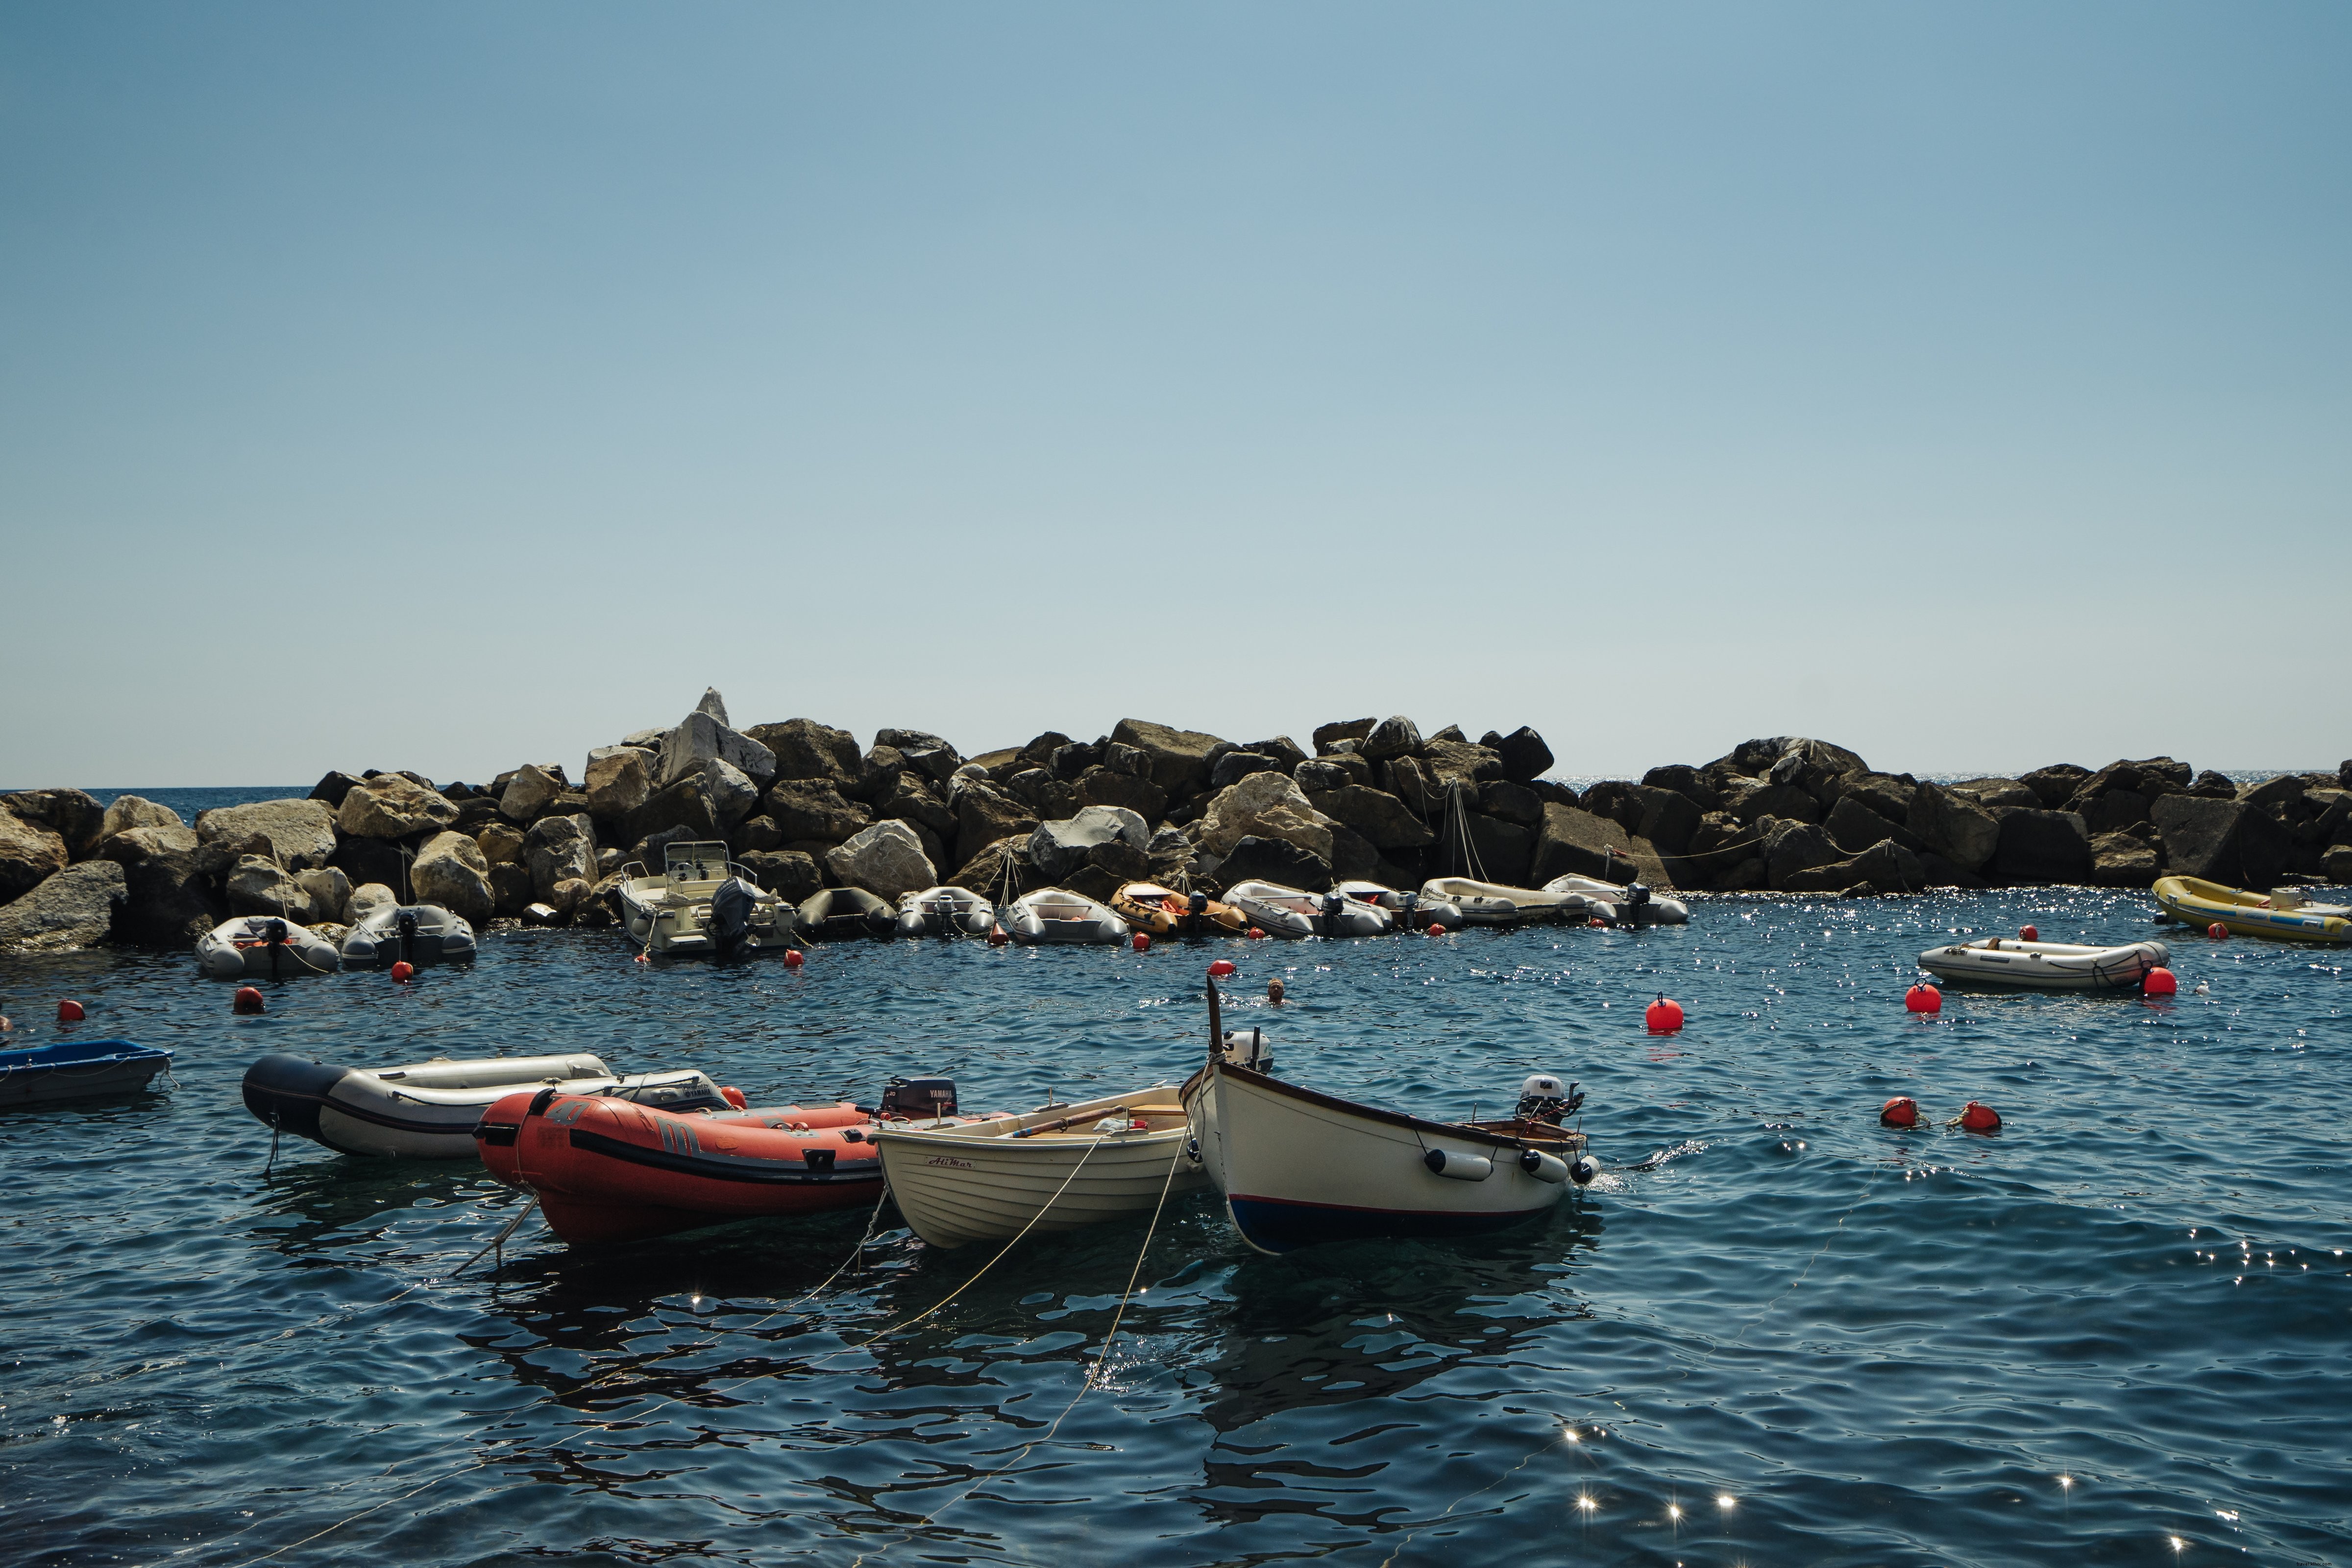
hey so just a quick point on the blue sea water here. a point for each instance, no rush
(1778, 1333)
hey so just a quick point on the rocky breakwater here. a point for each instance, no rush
(804, 806)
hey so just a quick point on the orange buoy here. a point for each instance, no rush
(1221, 970)
(1255, 935)
(2159, 982)
(247, 1000)
(1978, 1117)
(998, 936)
(1436, 930)
(1663, 1017)
(734, 1097)
(795, 958)
(1142, 942)
(1924, 998)
(1901, 1111)
(2027, 933)
(404, 970)
(69, 1012)
(2217, 930)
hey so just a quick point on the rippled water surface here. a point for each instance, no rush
(2114, 1332)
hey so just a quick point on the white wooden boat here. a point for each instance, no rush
(1296, 1167)
(1056, 914)
(1411, 912)
(1060, 1166)
(701, 903)
(1494, 904)
(258, 946)
(1278, 910)
(2045, 966)
(76, 1069)
(426, 1111)
(945, 912)
(1626, 903)
(410, 933)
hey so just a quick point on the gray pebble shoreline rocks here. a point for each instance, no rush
(804, 808)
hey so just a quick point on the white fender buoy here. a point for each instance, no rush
(1458, 1167)
(1585, 1169)
(1543, 1167)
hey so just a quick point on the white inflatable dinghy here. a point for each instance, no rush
(1494, 904)
(260, 946)
(1629, 904)
(2045, 966)
(1278, 910)
(1056, 914)
(426, 1111)
(1411, 912)
(945, 912)
(414, 933)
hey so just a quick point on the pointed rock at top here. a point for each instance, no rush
(713, 704)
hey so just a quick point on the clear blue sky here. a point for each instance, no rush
(444, 386)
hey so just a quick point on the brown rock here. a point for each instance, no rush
(806, 749)
(29, 855)
(393, 805)
(1179, 758)
(73, 814)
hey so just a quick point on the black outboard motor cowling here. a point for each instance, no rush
(731, 903)
(406, 921)
(1636, 896)
(918, 1099)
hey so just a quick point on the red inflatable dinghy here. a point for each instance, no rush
(610, 1170)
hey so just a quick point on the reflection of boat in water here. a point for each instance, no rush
(1056, 1168)
(1296, 1166)
(702, 903)
(2045, 966)
(2283, 915)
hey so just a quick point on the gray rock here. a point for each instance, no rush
(1057, 848)
(1790, 848)
(700, 739)
(1066, 762)
(1395, 736)
(924, 752)
(130, 811)
(804, 749)
(713, 705)
(1884, 796)
(556, 848)
(1277, 860)
(911, 799)
(1525, 756)
(684, 805)
(2054, 785)
(392, 805)
(72, 908)
(2040, 846)
(2120, 860)
(329, 891)
(1234, 767)
(135, 844)
(1130, 760)
(301, 833)
(2338, 865)
(885, 859)
(619, 782)
(645, 740)
(1409, 779)
(1504, 851)
(1990, 792)
(985, 813)
(1786, 802)
(2224, 841)
(1458, 762)
(787, 873)
(72, 815)
(1685, 781)
(1325, 736)
(330, 789)
(501, 842)
(733, 795)
(529, 790)
(753, 833)
(1314, 777)
(2268, 795)
(1043, 793)
(1573, 841)
(1668, 819)
(257, 885)
(1107, 785)
(2214, 787)
(1953, 826)
(1179, 758)
(815, 810)
(1855, 827)
(1267, 805)
(511, 889)
(2113, 811)
(1513, 802)
(1380, 818)
(168, 901)
(29, 855)
(367, 899)
(1000, 870)
(451, 870)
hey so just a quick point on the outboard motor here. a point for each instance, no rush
(1332, 904)
(1197, 912)
(1636, 896)
(1543, 1098)
(731, 903)
(273, 936)
(406, 923)
(918, 1099)
(1410, 920)
(1248, 1049)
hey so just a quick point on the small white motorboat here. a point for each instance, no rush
(1494, 904)
(1056, 1168)
(1056, 914)
(412, 933)
(1296, 1167)
(257, 946)
(426, 1111)
(2046, 965)
(1627, 903)
(1411, 912)
(945, 912)
(701, 903)
(78, 1069)
(1278, 910)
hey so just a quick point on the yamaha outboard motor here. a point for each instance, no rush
(273, 935)
(1332, 904)
(406, 923)
(1198, 912)
(918, 1099)
(1543, 1098)
(731, 903)
(1636, 896)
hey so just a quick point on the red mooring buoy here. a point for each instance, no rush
(1255, 935)
(998, 936)
(404, 970)
(2218, 931)
(2159, 982)
(69, 1012)
(247, 1000)
(1142, 942)
(1924, 998)
(1663, 1017)
(1901, 1111)
(1222, 970)
(2027, 933)
(794, 957)
(1436, 930)
(1979, 1118)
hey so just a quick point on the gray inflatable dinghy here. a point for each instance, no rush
(414, 933)
(264, 946)
(1056, 914)
(945, 912)
(838, 914)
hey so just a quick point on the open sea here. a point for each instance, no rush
(2115, 1331)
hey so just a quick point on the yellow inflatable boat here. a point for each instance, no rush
(2283, 915)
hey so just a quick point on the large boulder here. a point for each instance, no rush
(713, 705)
(73, 907)
(258, 885)
(985, 813)
(129, 811)
(1496, 850)
(700, 739)
(501, 842)
(1755, 802)
(330, 789)
(329, 891)
(1277, 860)
(1394, 736)
(1511, 801)
(1686, 781)
(1111, 785)
(1057, 848)
(1791, 847)
(1409, 779)
(923, 752)
(168, 901)
(529, 790)
(1179, 758)
(685, 806)
(72, 815)
(451, 870)
(511, 889)
(1380, 817)
(1232, 767)
(1667, 819)
(29, 855)
(1267, 805)
(885, 859)
(2041, 847)
(804, 749)
(1000, 870)
(393, 805)
(2054, 785)
(301, 833)
(1524, 755)
(1572, 841)
(619, 782)
(1885, 867)
(733, 795)
(1458, 762)
(1990, 792)
(1887, 796)
(912, 799)
(2224, 841)
(557, 849)
(815, 810)
(135, 844)
(1038, 789)
(790, 874)
(2121, 861)
(1327, 735)
(1953, 826)
(1856, 826)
